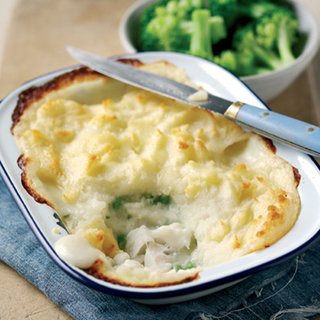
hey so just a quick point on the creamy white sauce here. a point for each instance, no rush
(77, 251)
(174, 236)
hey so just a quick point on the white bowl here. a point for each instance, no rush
(216, 80)
(266, 86)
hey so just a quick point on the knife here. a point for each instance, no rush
(298, 134)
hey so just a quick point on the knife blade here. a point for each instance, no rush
(296, 133)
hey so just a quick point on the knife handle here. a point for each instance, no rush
(275, 126)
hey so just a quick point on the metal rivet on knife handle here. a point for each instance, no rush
(233, 110)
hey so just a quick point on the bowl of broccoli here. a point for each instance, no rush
(266, 43)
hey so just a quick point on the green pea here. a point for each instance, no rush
(117, 203)
(122, 241)
(164, 199)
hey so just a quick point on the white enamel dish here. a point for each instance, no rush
(42, 219)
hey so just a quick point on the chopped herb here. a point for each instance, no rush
(107, 217)
(190, 265)
(153, 200)
(129, 216)
(177, 267)
(66, 216)
(117, 203)
(122, 240)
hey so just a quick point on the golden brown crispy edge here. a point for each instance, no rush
(29, 96)
(94, 271)
(33, 94)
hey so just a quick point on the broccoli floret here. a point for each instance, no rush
(165, 26)
(228, 9)
(234, 10)
(247, 65)
(228, 60)
(255, 9)
(270, 39)
(169, 30)
(245, 39)
(150, 12)
(205, 31)
(244, 36)
(158, 21)
(278, 31)
(187, 6)
(201, 35)
(218, 29)
(164, 33)
(241, 63)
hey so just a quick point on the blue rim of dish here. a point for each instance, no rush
(123, 290)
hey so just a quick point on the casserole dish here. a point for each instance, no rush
(43, 219)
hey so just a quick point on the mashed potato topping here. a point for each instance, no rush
(152, 190)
